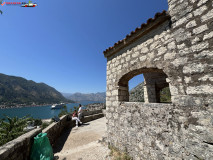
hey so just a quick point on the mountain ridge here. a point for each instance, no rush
(15, 91)
(98, 97)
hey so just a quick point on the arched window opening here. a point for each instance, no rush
(155, 88)
(136, 89)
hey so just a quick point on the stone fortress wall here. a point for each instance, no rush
(174, 49)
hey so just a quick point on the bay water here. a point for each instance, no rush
(39, 112)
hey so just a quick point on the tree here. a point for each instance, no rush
(11, 128)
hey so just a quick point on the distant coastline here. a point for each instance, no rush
(25, 105)
(21, 106)
(39, 105)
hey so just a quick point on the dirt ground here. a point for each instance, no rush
(82, 143)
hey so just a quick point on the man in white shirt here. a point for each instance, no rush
(80, 111)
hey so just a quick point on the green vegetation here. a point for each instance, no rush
(19, 91)
(37, 122)
(165, 95)
(117, 155)
(45, 124)
(11, 128)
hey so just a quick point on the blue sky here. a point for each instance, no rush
(61, 43)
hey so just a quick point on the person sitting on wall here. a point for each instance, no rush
(74, 117)
(80, 111)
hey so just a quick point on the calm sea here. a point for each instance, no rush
(41, 112)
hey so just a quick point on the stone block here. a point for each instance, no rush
(144, 50)
(187, 79)
(149, 41)
(204, 54)
(201, 2)
(203, 89)
(194, 68)
(195, 40)
(180, 61)
(128, 58)
(207, 16)
(161, 50)
(200, 46)
(191, 24)
(183, 37)
(206, 77)
(199, 11)
(183, 20)
(151, 55)
(169, 56)
(155, 45)
(142, 58)
(122, 60)
(171, 46)
(173, 90)
(208, 36)
(200, 29)
(181, 46)
(136, 54)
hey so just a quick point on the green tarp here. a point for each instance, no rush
(41, 149)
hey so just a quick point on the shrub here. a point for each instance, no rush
(44, 125)
(37, 122)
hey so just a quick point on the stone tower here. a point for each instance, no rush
(173, 49)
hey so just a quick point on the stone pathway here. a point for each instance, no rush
(83, 143)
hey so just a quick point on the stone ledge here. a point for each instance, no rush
(154, 105)
(88, 113)
(92, 117)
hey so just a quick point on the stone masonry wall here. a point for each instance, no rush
(182, 48)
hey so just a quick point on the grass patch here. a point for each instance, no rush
(118, 155)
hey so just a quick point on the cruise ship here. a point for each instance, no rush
(57, 106)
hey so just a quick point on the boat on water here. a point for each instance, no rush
(57, 106)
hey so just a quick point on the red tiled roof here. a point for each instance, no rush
(139, 29)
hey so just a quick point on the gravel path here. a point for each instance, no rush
(83, 143)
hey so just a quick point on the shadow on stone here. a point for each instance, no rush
(61, 141)
(56, 157)
(84, 124)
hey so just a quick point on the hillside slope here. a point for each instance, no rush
(17, 90)
(137, 93)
